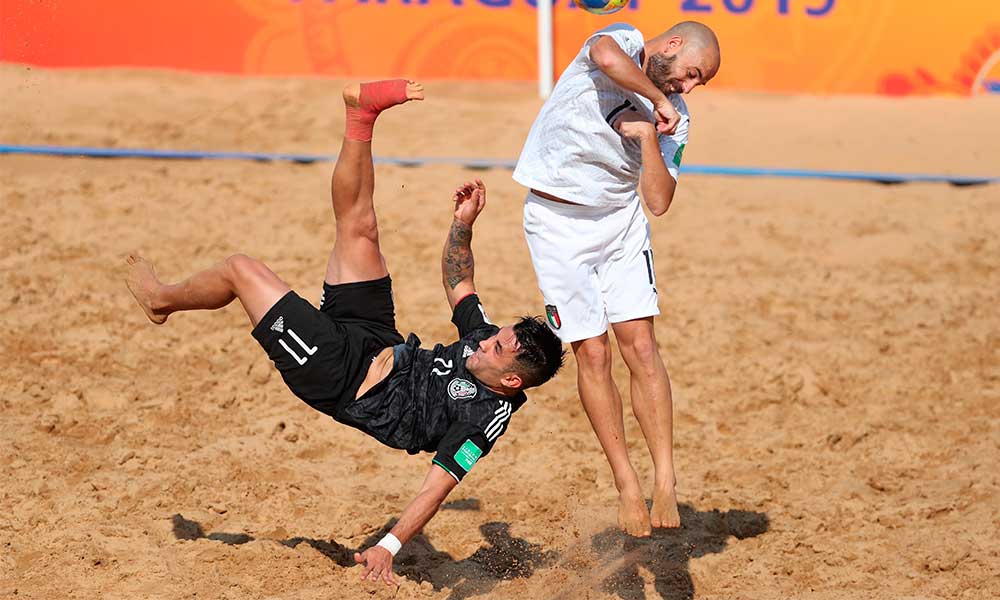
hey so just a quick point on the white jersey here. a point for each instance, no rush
(573, 152)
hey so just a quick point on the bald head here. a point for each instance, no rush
(684, 56)
(697, 34)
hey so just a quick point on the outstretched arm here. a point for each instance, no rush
(378, 559)
(457, 264)
(619, 67)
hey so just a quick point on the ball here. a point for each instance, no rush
(601, 7)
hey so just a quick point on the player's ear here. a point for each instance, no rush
(512, 380)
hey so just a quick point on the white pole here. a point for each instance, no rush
(545, 60)
(980, 83)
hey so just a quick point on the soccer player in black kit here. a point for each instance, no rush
(346, 358)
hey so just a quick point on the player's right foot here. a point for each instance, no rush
(633, 518)
(376, 96)
(141, 281)
(365, 101)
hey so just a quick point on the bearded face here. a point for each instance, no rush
(660, 70)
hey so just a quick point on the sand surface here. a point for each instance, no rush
(834, 350)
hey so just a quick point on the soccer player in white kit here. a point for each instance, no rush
(615, 123)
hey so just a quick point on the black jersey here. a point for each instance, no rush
(431, 403)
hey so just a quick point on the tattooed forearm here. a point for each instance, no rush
(457, 264)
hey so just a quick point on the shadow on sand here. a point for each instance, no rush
(612, 565)
(502, 557)
(667, 553)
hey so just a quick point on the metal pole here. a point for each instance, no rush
(545, 60)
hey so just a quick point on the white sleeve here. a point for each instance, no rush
(672, 146)
(628, 38)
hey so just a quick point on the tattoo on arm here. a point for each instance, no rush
(457, 263)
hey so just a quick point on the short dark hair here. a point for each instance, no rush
(541, 354)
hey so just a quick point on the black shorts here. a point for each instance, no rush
(324, 354)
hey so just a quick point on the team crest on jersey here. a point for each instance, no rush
(460, 388)
(467, 352)
(552, 314)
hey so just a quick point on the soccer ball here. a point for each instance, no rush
(601, 7)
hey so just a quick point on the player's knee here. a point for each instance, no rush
(594, 354)
(643, 352)
(362, 227)
(240, 267)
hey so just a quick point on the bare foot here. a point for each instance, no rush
(664, 512)
(414, 90)
(633, 518)
(141, 280)
(352, 95)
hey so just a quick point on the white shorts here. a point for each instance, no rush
(594, 265)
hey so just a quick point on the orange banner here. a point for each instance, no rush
(811, 46)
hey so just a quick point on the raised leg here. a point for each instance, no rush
(603, 405)
(653, 408)
(239, 276)
(356, 254)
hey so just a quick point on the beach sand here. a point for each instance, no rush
(834, 349)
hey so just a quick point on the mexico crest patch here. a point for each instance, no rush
(459, 389)
(552, 314)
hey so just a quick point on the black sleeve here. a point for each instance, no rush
(461, 447)
(470, 315)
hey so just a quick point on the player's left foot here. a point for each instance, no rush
(141, 281)
(664, 511)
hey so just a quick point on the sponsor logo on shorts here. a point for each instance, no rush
(459, 388)
(278, 325)
(552, 314)
(467, 455)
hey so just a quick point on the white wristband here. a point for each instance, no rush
(390, 543)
